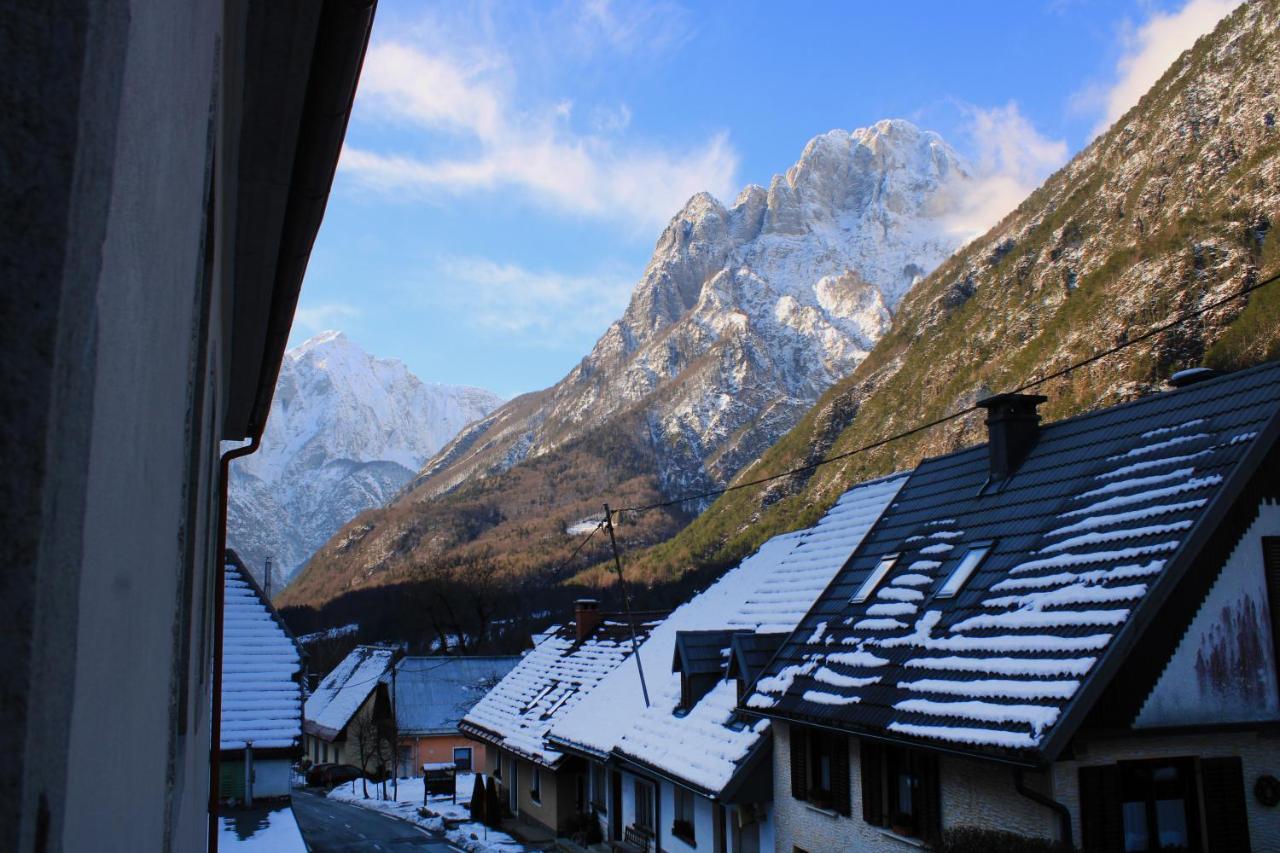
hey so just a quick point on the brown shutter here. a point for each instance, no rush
(840, 794)
(929, 819)
(1101, 820)
(1225, 818)
(872, 770)
(799, 763)
(1271, 568)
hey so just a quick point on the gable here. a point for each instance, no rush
(1224, 668)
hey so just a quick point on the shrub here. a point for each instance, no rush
(971, 839)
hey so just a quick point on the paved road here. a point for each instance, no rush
(330, 826)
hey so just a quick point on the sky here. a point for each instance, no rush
(509, 166)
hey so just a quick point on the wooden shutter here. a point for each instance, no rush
(1271, 569)
(929, 808)
(799, 763)
(1225, 817)
(1101, 820)
(840, 794)
(872, 771)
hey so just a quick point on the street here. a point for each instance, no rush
(334, 827)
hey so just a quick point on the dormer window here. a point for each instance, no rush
(874, 579)
(968, 565)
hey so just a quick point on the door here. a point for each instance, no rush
(615, 806)
(513, 788)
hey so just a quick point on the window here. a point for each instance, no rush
(873, 580)
(1271, 569)
(977, 552)
(1167, 804)
(599, 797)
(325, 747)
(900, 790)
(535, 787)
(645, 802)
(682, 828)
(462, 757)
(820, 768)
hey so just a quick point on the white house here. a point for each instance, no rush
(261, 732)
(1069, 633)
(687, 771)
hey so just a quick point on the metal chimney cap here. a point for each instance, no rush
(1191, 376)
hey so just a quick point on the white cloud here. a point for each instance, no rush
(1011, 158)
(503, 142)
(310, 319)
(1149, 50)
(507, 298)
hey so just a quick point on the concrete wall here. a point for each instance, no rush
(110, 412)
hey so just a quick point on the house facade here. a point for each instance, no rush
(166, 170)
(539, 783)
(1069, 633)
(350, 703)
(672, 765)
(432, 694)
(262, 668)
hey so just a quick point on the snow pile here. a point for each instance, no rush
(448, 817)
(261, 700)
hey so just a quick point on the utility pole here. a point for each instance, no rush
(395, 737)
(626, 601)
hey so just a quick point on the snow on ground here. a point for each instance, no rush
(465, 833)
(260, 831)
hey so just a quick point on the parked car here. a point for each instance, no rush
(332, 774)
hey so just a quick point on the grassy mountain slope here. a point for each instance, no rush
(1174, 207)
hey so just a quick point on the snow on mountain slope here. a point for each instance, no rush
(345, 433)
(746, 314)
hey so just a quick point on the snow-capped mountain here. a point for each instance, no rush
(742, 318)
(345, 433)
(746, 314)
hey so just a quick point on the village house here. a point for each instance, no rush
(540, 784)
(1069, 632)
(431, 696)
(681, 770)
(166, 170)
(261, 732)
(340, 716)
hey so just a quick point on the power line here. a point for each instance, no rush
(1150, 333)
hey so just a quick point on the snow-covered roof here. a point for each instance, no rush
(261, 691)
(548, 683)
(345, 689)
(1090, 533)
(433, 693)
(769, 591)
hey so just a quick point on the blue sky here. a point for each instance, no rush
(509, 166)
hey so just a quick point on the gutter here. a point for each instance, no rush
(1064, 815)
(220, 587)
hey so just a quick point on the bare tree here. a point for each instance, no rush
(372, 749)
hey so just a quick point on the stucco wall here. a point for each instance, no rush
(1259, 753)
(438, 749)
(556, 805)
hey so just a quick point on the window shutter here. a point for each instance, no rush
(1100, 816)
(799, 763)
(872, 770)
(840, 794)
(1226, 820)
(930, 814)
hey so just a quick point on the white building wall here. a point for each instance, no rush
(272, 778)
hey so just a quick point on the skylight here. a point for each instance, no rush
(873, 580)
(973, 559)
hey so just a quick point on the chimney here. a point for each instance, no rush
(586, 617)
(1013, 425)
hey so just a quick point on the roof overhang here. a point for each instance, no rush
(489, 736)
(302, 61)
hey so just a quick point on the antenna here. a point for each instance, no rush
(626, 600)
